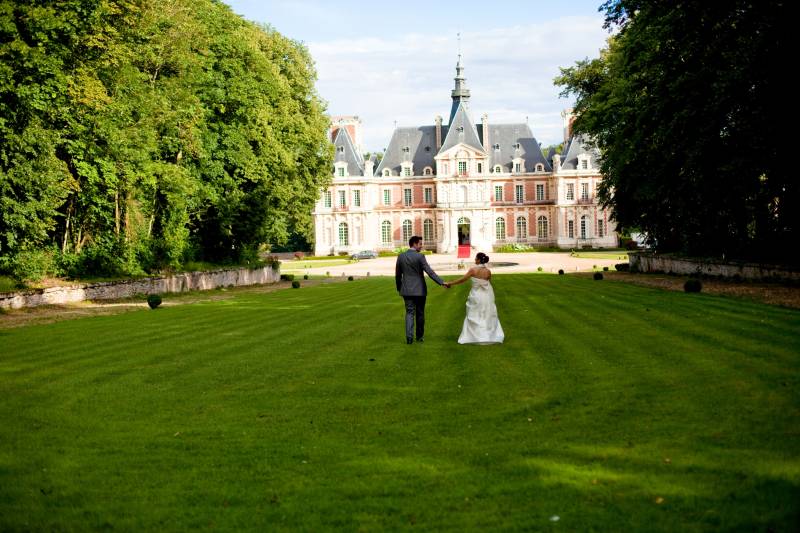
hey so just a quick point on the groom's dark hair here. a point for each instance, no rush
(414, 240)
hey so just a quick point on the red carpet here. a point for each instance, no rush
(463, 251)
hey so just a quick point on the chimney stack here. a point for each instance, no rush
(438, 133)
(485, 123)
(368, 164)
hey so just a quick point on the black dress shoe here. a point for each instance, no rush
(420, 340)
(409, 341)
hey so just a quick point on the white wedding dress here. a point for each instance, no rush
(481, 325)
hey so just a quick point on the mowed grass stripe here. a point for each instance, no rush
(238, 413)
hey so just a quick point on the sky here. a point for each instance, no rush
(394, 62)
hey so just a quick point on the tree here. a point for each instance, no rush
(682, 105)
(137, 135)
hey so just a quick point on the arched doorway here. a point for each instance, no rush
(463, 231)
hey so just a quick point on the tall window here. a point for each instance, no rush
(462, 167)
(498, 168)
(601, 228)
(387, 172)
(387, 197)
(357, 198)
(480, 168)
(520, 194)
(342, 201)
(446, 169)
(341, 172)
(584, 164)
(407, 197)
(539, 192)
(583, 227)
(541, 228)
(584, 191)
(570, 191)
(406, 230)
(343, 234)
(500, 228)
(522, 228)
(406, 171)
(428, 195)
(427, 171)
(326, 197)
(498, 193)
(571, 229)
(516, 168)
(386, 232)
(427, 230)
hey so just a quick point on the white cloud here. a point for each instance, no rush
(408, 77)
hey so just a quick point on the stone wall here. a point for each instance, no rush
(189, 281)
(647, 262)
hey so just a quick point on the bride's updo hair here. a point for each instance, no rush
(482, 258)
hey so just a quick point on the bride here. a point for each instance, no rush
(481, 325)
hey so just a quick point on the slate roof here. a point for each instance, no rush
(578, 144)
(462, 130)
(346, 151)
(514, 140)
(417, 145)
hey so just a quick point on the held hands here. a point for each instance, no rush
(446, 285)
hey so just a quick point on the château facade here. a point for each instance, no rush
(459, 183)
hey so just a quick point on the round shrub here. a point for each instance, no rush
(623, 267)
(605, 269)
(295, 284)
(154, 300)
(539, 269)
(598, 276)
(305, 276)
(692, 285)
(349, 278)
(560, 271)
(594, 267)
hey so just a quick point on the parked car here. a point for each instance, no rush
(364, 254)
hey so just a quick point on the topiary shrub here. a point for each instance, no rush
(605, 269)
(623, 267)
(692, 285)
(154, 300)
(539, 269)
(598, 276)
(349, 278)
(305, 276)
(560, 271)
(287, 277)
(295, 284)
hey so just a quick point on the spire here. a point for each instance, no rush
(460, 93)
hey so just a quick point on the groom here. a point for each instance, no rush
(408, 275)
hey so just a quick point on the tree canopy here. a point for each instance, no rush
(136, 135)
(684, 105)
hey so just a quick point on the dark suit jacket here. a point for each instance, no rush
(408, 274)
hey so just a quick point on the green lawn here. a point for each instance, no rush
(296, 266)
(611, 406)
(620, 256)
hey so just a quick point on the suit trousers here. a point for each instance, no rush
(415, 308)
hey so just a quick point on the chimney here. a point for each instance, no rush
(485, 123)
(438, 133)
(568, 118)
(368, 163)
(556, 162)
